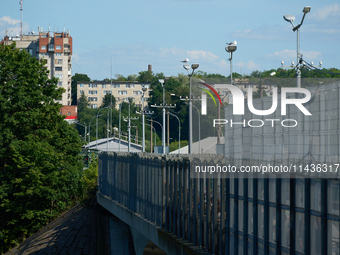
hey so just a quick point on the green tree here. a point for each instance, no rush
(108, 98)
(77, 78)
(40, 169)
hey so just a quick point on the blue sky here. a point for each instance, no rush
(162, 32)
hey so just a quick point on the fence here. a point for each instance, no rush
(225, 215)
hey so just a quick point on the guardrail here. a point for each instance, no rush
(225, 215)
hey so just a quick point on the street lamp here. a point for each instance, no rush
(231, 47)
(187, 67)
(161, 81)
(290, 19)
(179, 132)
(143, 121)
(129, 124)
(97, 124)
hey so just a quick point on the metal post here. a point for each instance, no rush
(107, 132)
(163, 128)
(298, 72)
(120, 113)
(143, 124)
(190, 119)
(129, 129)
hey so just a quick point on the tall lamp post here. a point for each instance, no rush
(290, 19)
(129, 124)
(161, 81)
(188, 67)
(231, 47)
(143, 120)
(179, 131)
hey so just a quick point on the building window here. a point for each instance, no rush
(105, 92)
(92, 92)
(30, 51)
(43, 47)
(81, 85)
(116, 86)
(104, 86)
(135, 93)
(58, 61)
(60, 76)
(92, 99)
(51, 47)
(58, 68)
(58, 54)
(94, 106)
(81, 92)
(58, 47)
(60, 84)
(94, 85)
(122, 92)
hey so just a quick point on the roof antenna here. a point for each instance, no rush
(21, 9)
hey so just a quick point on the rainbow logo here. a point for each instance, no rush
(204, 98)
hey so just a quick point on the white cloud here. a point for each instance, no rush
(290, 55)
(202, 55)
(9, 20)
(263, 33)
(11, 26)
(326, 12)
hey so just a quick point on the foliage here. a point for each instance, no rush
(40, 169)
(77, 78)
(89, 179)
(107, 100)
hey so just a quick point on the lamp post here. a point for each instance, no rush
(90, 128)
(129, 125)
(199, 129)
(231, 48)
(97, 124)
(188, 67)
(143, 121)
(161, 81)
(290, 19)
(179, 132)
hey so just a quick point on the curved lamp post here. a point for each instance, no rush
(179, 132)
(290, 19)
(188, 67)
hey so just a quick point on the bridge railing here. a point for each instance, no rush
(225, 215)
(159, 188)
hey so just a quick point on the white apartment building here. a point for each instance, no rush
(56, 49)
(95, 91)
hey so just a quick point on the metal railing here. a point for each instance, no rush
(225, 215)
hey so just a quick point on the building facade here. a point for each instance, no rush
(56, 49)
(95, 91)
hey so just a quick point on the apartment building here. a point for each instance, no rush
(95, 91)
(56, 49)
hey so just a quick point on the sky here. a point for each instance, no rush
(123, 37)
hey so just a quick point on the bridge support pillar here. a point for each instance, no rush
(139, 241)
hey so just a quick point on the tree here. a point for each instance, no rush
(107, 100)
(40, 169)
(77, 78)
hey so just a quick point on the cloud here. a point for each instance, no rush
(263, 33)
(327, 12)
(9, 20)
(202, 55)
(290, 55)
(11, 26)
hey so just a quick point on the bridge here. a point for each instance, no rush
(161, 201)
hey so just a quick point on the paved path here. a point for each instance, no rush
(81, 230)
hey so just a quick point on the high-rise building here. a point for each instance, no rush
(56, 49)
